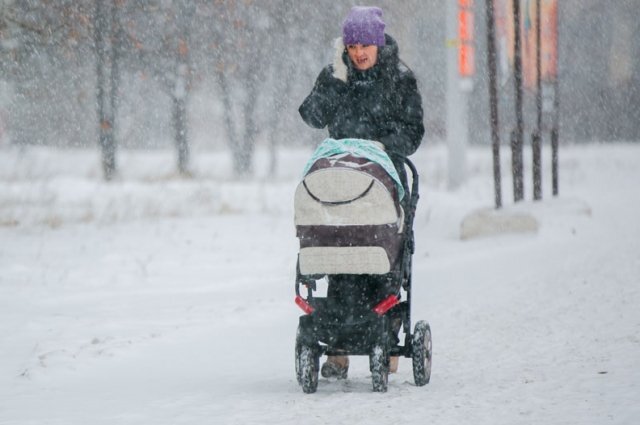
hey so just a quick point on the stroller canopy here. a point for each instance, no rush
(359, 148)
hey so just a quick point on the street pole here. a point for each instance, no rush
(493, 102)
(556, 105)
(536, 143)
(457, 115)
(518, 133)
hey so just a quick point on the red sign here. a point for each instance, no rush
(466, 66)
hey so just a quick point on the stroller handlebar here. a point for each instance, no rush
(413, 202)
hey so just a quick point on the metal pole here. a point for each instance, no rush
(457, 120)
(493, 102)
(536, 144)
(555, 143)
(518, 132)
(556, 115)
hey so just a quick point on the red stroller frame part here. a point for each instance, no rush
(386, 305)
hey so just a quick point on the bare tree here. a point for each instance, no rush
(107, 46)
(239, 75)
(181, 76)
(46, 60)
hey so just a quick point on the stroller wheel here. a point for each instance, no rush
(297, 358)
(307, 363)
(421, 353)
(379, 365)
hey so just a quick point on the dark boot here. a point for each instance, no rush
(335, 367)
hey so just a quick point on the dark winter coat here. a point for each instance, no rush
(381, 104)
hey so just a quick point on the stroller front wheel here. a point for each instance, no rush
(307, 362)
(297, 357)
(421, 352)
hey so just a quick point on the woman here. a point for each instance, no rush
(366, 93)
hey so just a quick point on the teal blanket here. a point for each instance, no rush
(360, 148)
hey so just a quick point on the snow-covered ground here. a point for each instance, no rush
(156, 299)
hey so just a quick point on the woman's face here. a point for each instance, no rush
(362, 57)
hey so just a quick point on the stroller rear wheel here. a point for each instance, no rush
(421, 353)
(379, 365)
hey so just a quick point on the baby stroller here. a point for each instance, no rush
(354, 225)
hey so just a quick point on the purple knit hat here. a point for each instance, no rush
(364, 25)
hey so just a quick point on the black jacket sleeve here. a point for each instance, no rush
(319, 108)
(407, 129)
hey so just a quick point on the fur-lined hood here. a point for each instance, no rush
(388, 58)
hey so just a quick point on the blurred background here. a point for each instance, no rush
(229, 75)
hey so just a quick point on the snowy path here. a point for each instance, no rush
(190, 320)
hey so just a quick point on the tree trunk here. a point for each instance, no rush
(182, 83)
(245, 167)
(105, 89)
(232, 136)
(180, 118)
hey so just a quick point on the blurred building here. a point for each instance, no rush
(598, 71)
